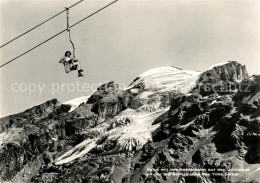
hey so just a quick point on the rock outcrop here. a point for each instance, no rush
(109, 100)
(221, 78)
(230, 71)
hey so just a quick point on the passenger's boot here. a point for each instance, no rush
(80, 74)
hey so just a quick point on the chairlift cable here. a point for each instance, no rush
(58, 33)
(39, 25)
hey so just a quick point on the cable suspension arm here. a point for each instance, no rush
(58, 34)
(68, 30)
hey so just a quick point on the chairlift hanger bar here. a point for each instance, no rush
(58, 33)
(68, 30)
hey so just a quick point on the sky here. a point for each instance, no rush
(118, 44)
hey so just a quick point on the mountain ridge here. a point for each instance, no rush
(164, 119)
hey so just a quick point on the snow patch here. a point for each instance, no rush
(213, 102)
(74, 103)
(12, 135)
(77, 152)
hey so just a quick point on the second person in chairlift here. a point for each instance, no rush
(72, 62)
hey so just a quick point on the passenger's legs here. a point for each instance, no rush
(77, 65)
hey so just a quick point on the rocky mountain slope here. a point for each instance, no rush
(169, 125)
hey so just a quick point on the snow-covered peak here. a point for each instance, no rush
(166, 71)
(158, 70)
(167, 79)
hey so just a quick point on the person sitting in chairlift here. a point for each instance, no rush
(71, 63)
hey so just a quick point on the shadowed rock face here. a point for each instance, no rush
(39, 134)
(29, 115)
(27, 135)
(108, 100)
(139, 134)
